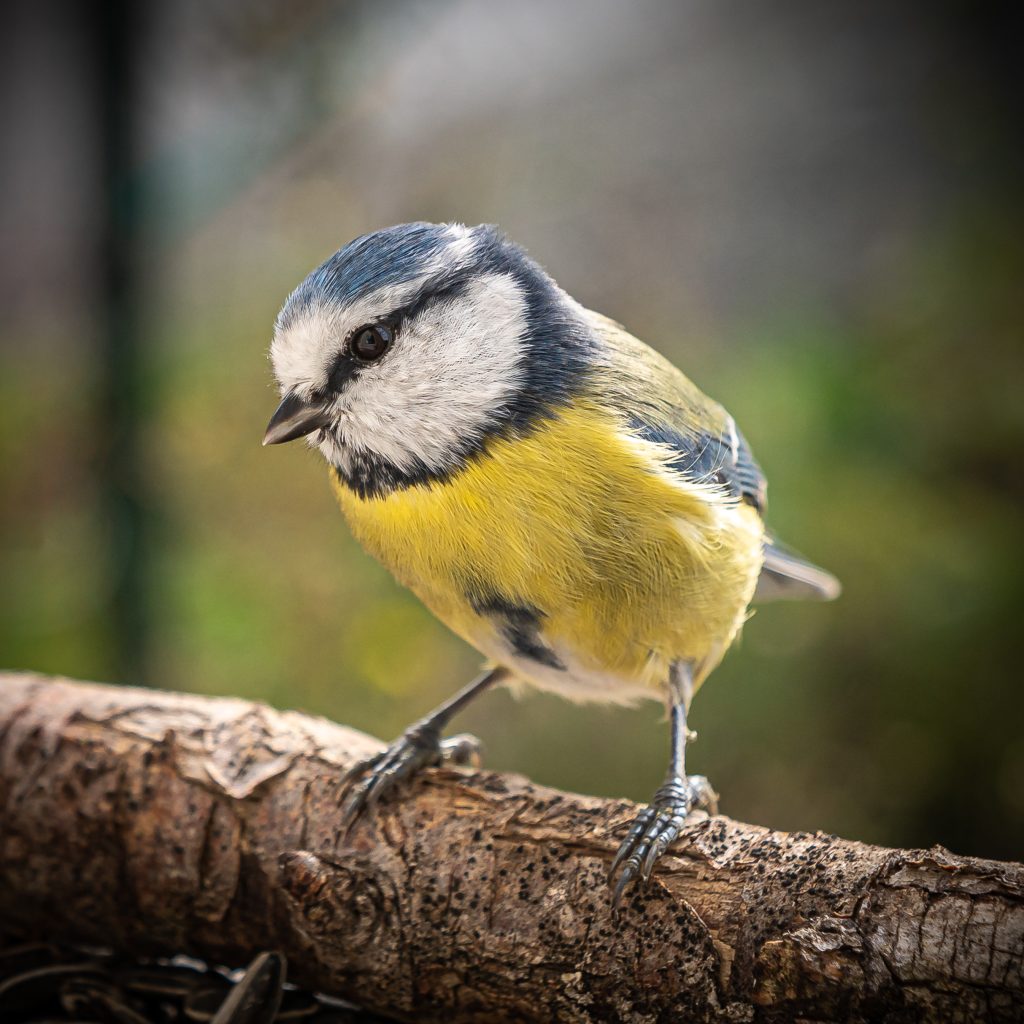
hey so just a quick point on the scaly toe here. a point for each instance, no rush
(702, 794)
(656, 828)
(670, 826)
(376, 777)
(643, 819)
(657, 832)
(462, 750)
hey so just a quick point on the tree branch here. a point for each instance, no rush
(164, 823)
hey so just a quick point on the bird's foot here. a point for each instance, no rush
(420, 746)
(657, 827)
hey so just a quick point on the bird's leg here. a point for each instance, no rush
(656, 827)
(420, 746)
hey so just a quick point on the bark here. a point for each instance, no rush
(164, 823)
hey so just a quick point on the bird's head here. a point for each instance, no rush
(402, 354)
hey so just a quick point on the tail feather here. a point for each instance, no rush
(786, 576)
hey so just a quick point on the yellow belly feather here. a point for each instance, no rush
(632, 567)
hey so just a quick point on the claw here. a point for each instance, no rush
(367, 782)
(626, 847)
(360, 767)
(353, 805)
(371, 793)
(655, 829)
(394, 770)
(620, 887)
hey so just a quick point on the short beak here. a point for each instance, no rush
(294, 417)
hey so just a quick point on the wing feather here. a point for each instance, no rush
(664, 406)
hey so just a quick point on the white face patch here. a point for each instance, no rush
(435, 390)
(304, 353)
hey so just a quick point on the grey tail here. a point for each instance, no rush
(786, 576)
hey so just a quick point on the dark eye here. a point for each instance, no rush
(370, 343)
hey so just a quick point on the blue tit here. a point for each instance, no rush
(553, 490)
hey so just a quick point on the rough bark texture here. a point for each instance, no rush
(164, 823)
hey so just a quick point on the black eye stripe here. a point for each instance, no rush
(428, 295)
(349, 363)
(345, 368)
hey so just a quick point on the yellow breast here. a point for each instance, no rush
(629, 566)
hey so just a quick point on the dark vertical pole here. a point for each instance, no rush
(115, 29)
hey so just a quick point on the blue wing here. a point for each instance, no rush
(708, 456)
(664, 406)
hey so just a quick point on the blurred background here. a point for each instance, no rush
(814, 208)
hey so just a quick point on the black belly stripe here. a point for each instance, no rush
(520, 625)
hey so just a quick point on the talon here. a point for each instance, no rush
(376, 785)
(359, 768)
(352, 806)
(627, 844)
(625, 878)
(369, 781)
(656, 828)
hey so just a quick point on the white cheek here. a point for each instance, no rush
(449, 371)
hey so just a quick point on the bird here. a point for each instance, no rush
(556, 492)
